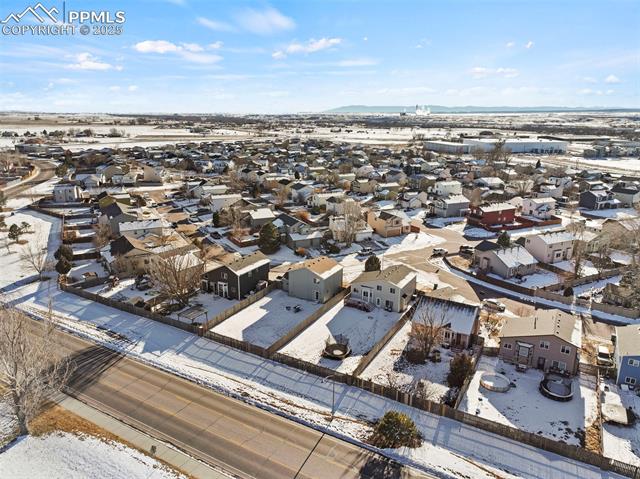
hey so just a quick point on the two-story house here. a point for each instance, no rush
(391, 288)
(458, 323)
(539, 208)
(451, 206)
(318, 279)
(514, 261)
(598, 200)
(627, 355)
(388, 223)
(550, 247)
(492, 216)
(234, 277)
(549, 339)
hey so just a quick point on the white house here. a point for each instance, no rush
(390, 289)
(219, 202)
(66, 193)
(539, 208)
(443, 189)
(320, 199)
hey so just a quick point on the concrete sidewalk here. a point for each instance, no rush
(168, 454)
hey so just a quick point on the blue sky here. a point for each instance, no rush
(276, 57)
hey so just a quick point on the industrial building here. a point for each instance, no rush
(520, 145)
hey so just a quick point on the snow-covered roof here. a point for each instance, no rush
(515, 256)
(459, 317)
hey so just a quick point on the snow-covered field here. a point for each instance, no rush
(540, 279)
(410, 242)
(620, 442)
(632, 164)
(70, 456)
(615, 213)
(268, 319)
(391, 369)
(364, 329)
(478, 233)
(525, 408)
(587, 268)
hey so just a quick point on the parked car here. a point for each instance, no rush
(439, 252)
(466, 249)
(604, 357)
(493, 305)
(366, 251)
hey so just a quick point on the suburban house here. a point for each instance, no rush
(220, 202)
(549, 339)
(364, 186)
(142, 228)
(627, 355)
(452, 206)
(492, 216)
(598, 200)
(628, 195)
(153, 174)
(550, 247)
(260, 217)
(318, 279)
(115, 213)
(338, 227)
(539, 208)
(318, 200)
(514, 261)
(66, 193)
(388, 223)
(235, 278)
(442, 189)
(459, 322)
(391, 288)
(300, 192)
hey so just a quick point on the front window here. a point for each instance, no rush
(630, 380)
(544, 344)
(392, 290)
(634, 362)
(565, 349)
(507, 346)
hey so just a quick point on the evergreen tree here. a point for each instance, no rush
(461, 367)
(269, 240)
(64, 251)
(538, 164)
(372, 263)
(215, 219)
(396, 429)
(504, 240)
(14, 232)
(63, 266)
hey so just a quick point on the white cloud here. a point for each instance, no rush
(612, 79)
(215, 25)
(483, 72)
(192, 47)
(424, 42)
(591, 92)
(529, 45)
(310, 46)
(364, 39)
(215, 45)
(132, 88)
(155, 46)
(86, 61)
(510, 44)
(192, 52)
(264, 21)
(114, 88)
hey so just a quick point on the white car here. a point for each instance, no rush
(439, 252)
(493, 305)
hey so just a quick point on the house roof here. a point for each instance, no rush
(246, 263)
(397, 274)
(545, 322)
(628, 340)
(459, 317)
(486, 246)
(515, 256)
(496, 207)
(322, 266)
(555, 237)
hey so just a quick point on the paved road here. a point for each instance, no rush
(46, 171)
(240, 438)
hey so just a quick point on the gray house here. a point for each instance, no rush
(514, 261)
(390, 289)
(318, 279)
(550, 339)
(627, 355)
(454, 205)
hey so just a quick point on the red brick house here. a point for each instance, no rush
(492, 216)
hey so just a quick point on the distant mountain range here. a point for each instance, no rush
(473, 109)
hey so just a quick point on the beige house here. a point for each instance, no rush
(550, 247)
(550, 339)
(389, 223)
(390, 289)
(366, 187)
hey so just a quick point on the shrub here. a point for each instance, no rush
(461, 367)
(64, 251)
(568, 291)
(301, 252)
(333, 249)
(63, 266)
(395, 429)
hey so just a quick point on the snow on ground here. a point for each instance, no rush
(390, 368)
(87, 266)
(587, 268)
(478, 233)
(615, 213)
(537, 280)
(443, 222)
(212, 303)
(450, 448)
(364, 329)
(525, 408)
(620, 442)
(268, 319)
(33, 193)
(595, 288)
(124, 291)
(624, 163)
(621, 257)
(44, 229)
(410, 242)
(70, 456)
(352, 267)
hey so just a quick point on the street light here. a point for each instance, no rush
(333, 393)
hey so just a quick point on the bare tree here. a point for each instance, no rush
(522, 187)
(428, 323)
(34, 256)
(102, 235)
(29, 365)
(352, 220)
(602, 254)
(579, 253)
(282, 195)
(176, 276)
